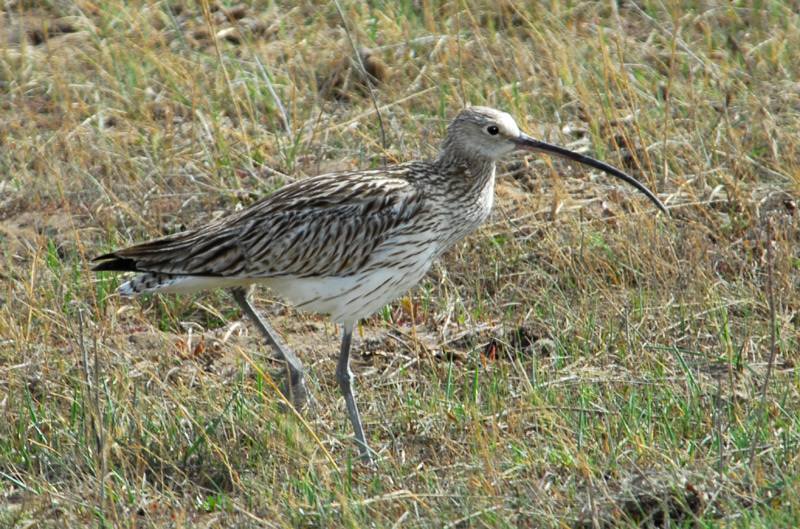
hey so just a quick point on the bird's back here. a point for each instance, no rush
(324, 226)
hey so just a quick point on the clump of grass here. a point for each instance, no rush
(577, 362)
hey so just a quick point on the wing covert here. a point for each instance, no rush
(325, 226)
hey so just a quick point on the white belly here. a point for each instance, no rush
(350, 298)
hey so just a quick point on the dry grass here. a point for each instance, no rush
(578, 362)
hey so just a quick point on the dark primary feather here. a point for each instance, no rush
(110, 262)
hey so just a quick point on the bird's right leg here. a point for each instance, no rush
(295, 388)
(345, 378)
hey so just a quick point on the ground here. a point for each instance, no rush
(580, 361)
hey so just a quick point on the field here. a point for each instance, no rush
(580, 361)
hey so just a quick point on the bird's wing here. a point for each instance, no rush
(324, 226)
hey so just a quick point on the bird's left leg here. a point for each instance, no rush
(295, 388)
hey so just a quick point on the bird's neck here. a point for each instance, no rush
(464, 188)
(470, 172)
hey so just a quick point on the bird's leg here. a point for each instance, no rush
(345, 378)
(295, 387)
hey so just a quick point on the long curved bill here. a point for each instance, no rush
(528, 143)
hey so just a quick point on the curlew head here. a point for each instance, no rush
(489, 134)
(482, 132)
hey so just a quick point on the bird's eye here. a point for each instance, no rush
(493, 130)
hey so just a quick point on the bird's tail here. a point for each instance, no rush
(147, 282)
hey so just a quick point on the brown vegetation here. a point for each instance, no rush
(578, 362)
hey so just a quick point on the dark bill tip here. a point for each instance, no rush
(528, 143)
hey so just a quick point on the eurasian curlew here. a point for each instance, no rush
(347, 243)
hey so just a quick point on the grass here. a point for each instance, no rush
(577, 362)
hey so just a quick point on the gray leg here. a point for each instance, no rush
(345, 378)
(295, 387)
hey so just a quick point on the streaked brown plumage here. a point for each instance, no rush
(345, 243)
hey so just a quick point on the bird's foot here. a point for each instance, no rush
(294, 388)
(365, 457)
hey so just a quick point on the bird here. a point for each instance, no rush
(344, 244)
